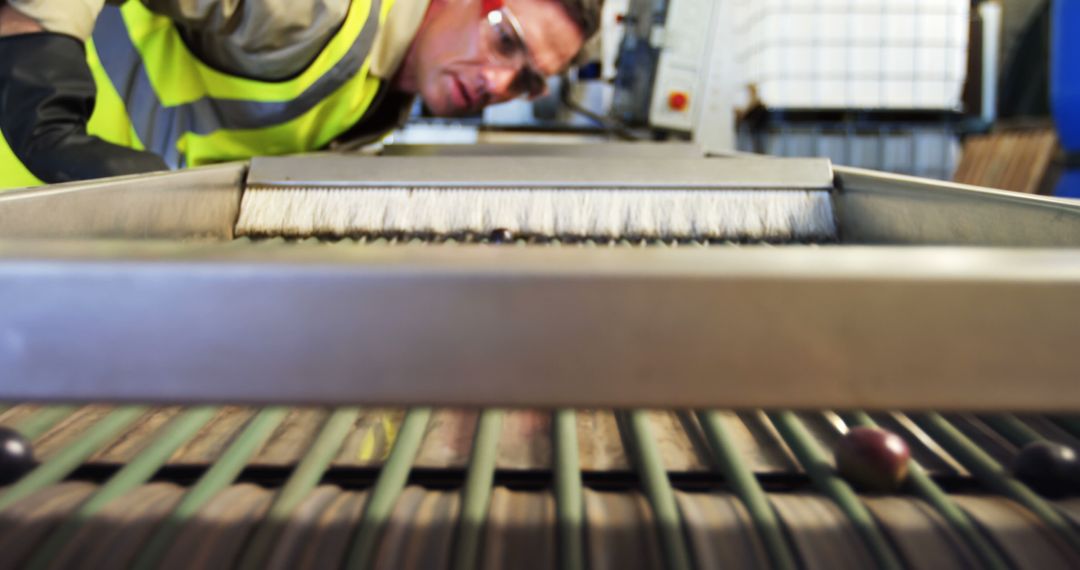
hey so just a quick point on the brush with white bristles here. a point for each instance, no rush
(703, 199)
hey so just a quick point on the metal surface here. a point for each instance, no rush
(194, 203)
(549, 171)
(872, 207)
(841, 327)
(875, 207)
(624, 150)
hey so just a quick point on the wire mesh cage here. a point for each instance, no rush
(854, 54)
(928, 150)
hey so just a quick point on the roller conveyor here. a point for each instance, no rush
(613, 489)
(932, 297)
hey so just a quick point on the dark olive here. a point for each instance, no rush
(501, 235)
(872, 459)
(1050, 469)
(16, 456)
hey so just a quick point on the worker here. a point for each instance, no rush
(89, 90)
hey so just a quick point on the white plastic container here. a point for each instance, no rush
(853, 54)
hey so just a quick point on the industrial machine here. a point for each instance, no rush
(887, 85)
(674, 73)
(269, 382)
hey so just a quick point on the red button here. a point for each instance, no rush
(678, 100)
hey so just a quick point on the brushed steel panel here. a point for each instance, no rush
(799, 327)
(540, 171)
(194, 203)
(876, 207)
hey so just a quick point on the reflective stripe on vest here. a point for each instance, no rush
(189, 113)
(12, 172)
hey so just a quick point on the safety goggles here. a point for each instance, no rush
(506, 48)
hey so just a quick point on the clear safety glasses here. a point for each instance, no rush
(506, 48)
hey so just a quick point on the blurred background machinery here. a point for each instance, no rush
(947, 89)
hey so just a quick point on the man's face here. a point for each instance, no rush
(454, 64)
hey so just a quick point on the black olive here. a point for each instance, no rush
(1050, 469)
(501, 235)
(16, 456)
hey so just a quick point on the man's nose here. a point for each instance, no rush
(500, 82)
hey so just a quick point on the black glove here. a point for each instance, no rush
(46, 97)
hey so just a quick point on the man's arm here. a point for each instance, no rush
(47, 95)
(69, 17)
(268, 40)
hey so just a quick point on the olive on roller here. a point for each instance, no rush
(1050, 469)
(501, 235)
(873, 459)
(16, 456)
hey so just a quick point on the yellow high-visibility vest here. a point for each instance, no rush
(154, 94)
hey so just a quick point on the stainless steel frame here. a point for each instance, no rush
(880, 208)
(868, 327)
(203, 203)
(541, 171)
(200, 203)
(203, 318)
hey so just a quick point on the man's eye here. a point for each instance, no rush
(506, 43)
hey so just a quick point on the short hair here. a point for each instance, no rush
(585, 13)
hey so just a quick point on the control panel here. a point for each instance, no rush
(683, 40)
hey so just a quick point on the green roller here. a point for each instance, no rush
(391, 481)
(1017, 432)
(741, 479)
(1070, 424)
(569, 499)
(220, 475)
(993, 475)
(658, 489)
(816, 465)
(930, 492)
(303, 479)
(479, 481)
(138, 471)
(43, 420)
(68, 459)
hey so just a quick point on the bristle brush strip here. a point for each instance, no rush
(603, 213)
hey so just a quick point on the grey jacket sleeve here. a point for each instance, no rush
(69, 17)
(262, 39)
